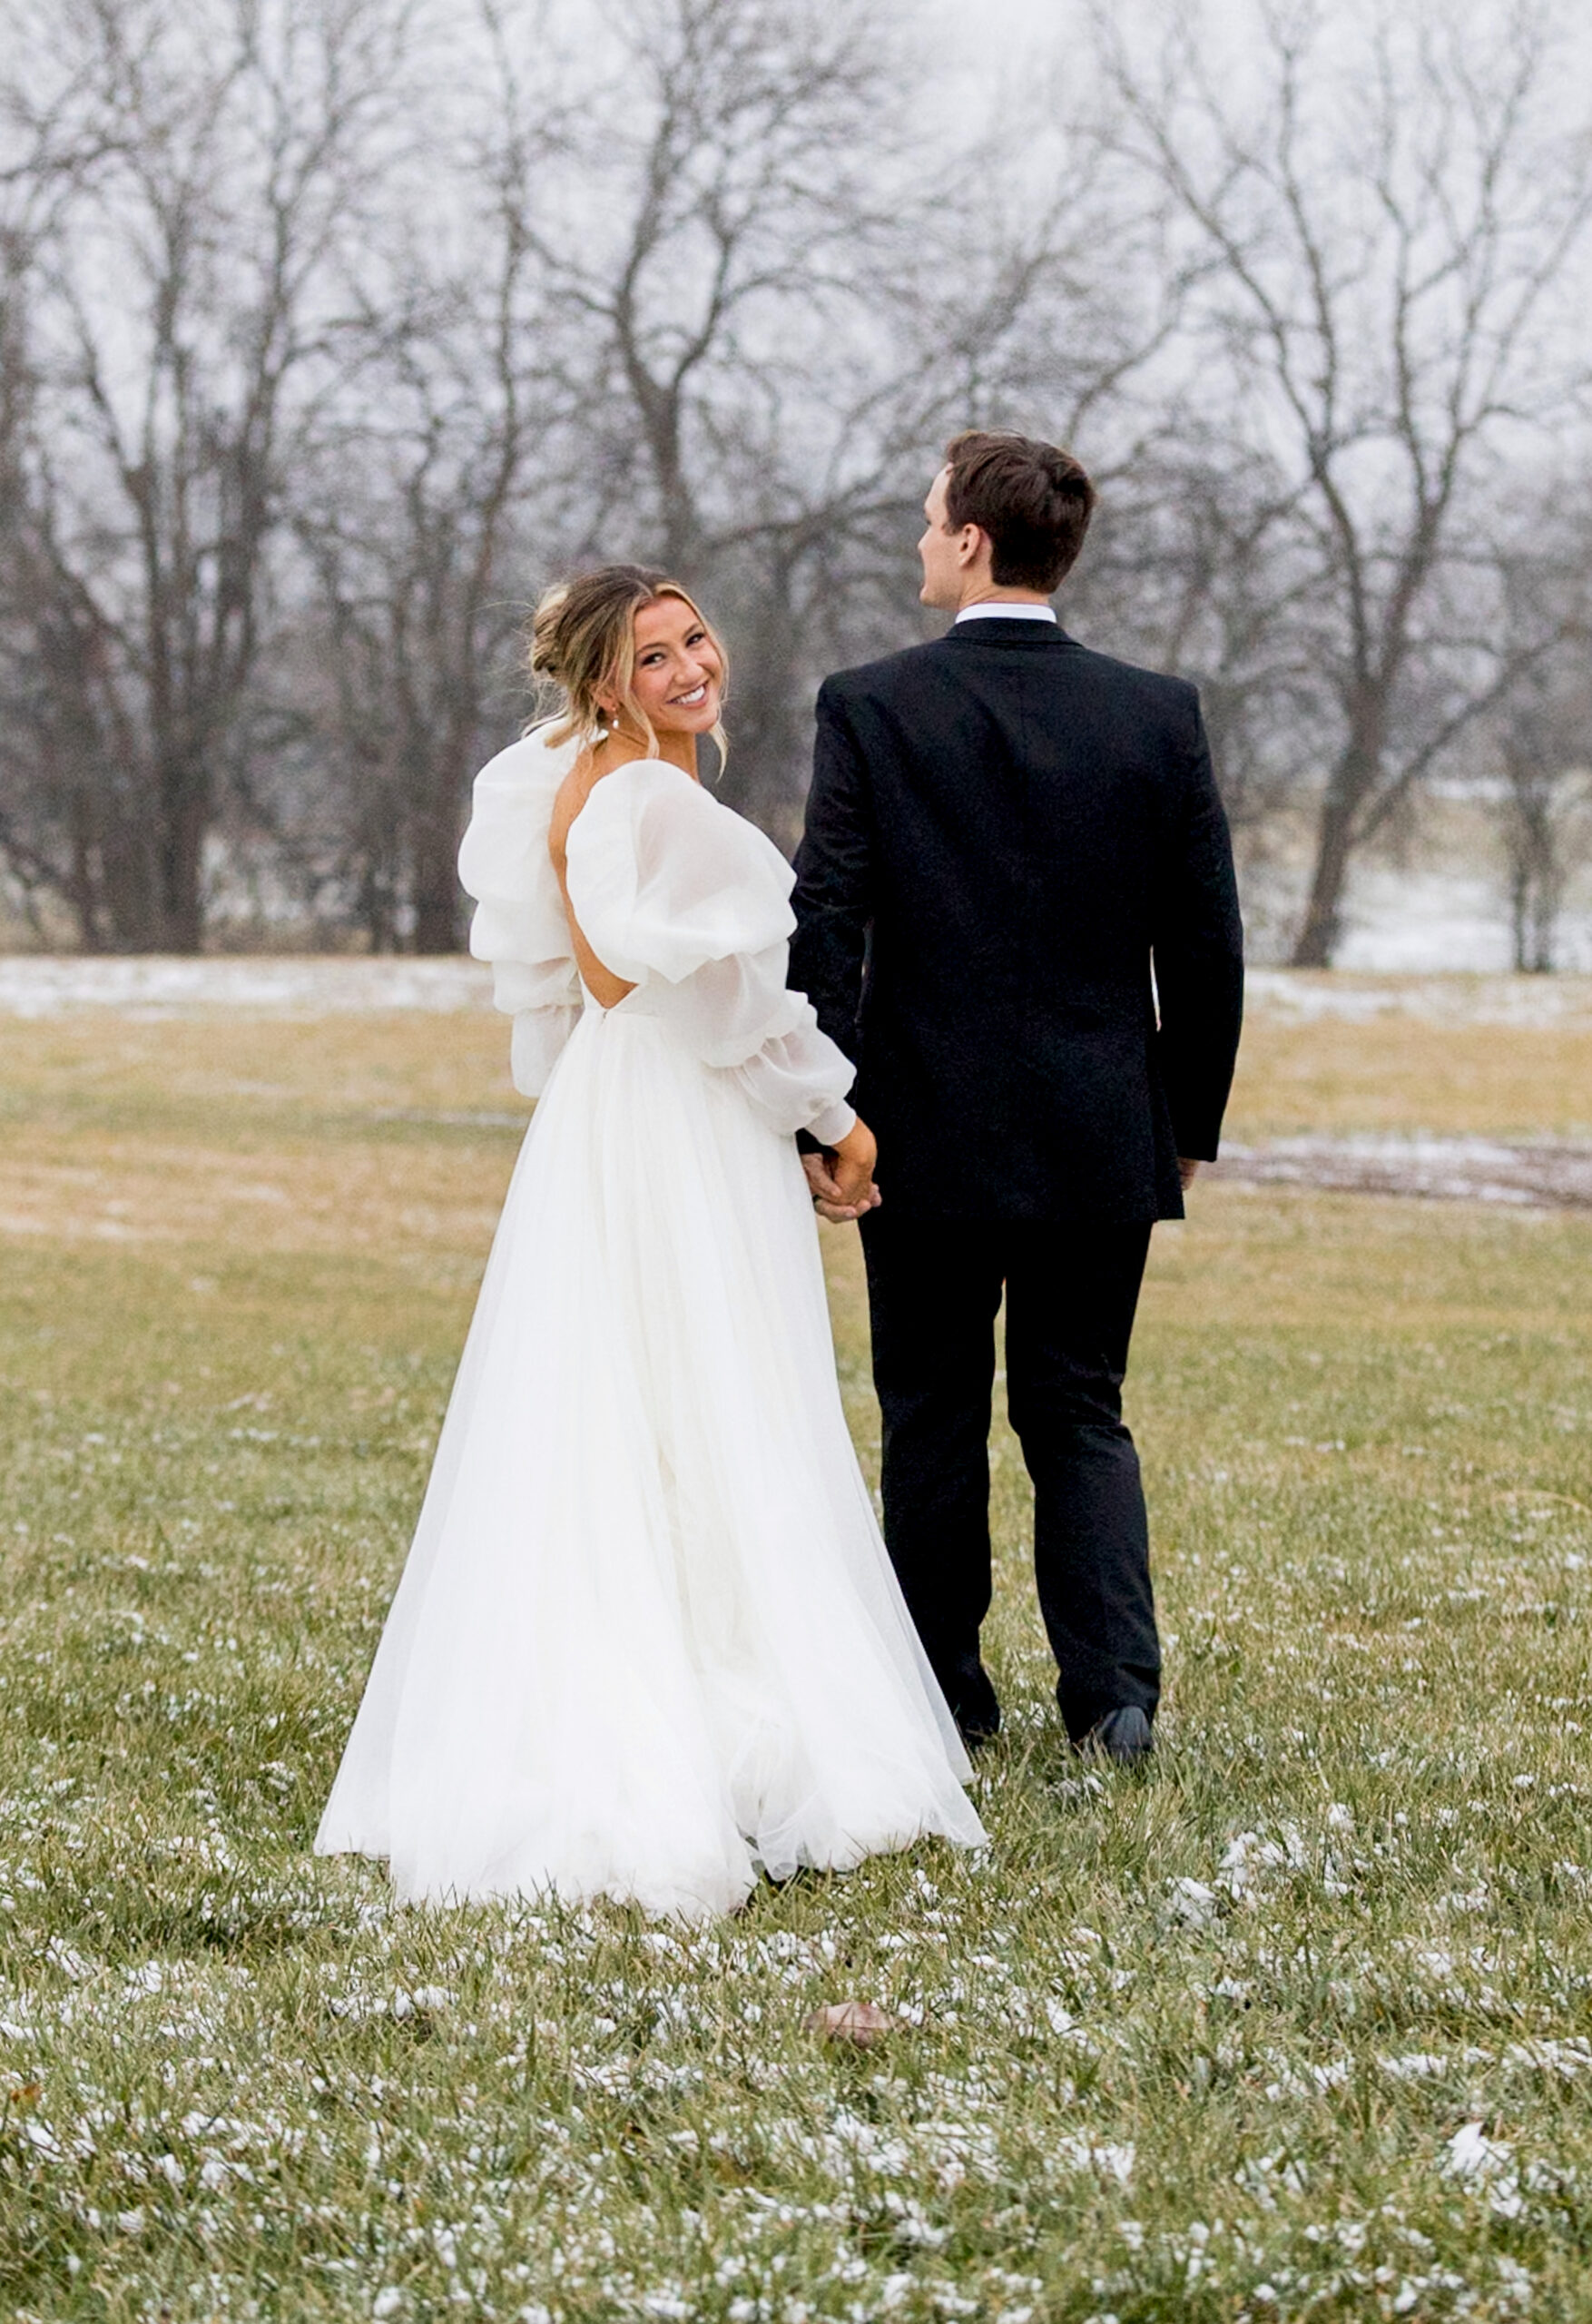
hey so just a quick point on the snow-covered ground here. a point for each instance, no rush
(1415, 922)
(1439, 919)
(1555, 1174)
(46, 984)
(1296, 995)
(43, 985)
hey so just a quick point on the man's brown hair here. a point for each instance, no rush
(1033, 499)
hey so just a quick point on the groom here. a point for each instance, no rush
(1016, 909)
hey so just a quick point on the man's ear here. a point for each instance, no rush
(971, 544)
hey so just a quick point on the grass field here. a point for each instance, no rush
(1301, 2023)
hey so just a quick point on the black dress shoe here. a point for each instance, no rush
(1122, 1735)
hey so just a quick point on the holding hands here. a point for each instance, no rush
(842, 1176)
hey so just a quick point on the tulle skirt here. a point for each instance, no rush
(647, 1640)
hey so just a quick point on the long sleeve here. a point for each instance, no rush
(682, 898)
(519, 923)
(834, 876)
(1197, 941)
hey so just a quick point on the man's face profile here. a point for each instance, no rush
(938, 548)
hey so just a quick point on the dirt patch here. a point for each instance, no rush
(1554, 1174)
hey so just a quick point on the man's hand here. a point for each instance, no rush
(842, 1176)
(1187, 1171)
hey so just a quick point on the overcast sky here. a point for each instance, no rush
(1001, 37)
(989, 39)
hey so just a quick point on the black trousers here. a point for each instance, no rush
(934, 1291)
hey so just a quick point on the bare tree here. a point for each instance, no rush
(178, 323)
(1541, 737)
(1386, 228)
(406, 633)
(1547, 821)
(332, 332)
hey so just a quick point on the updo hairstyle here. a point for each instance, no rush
(582, 644)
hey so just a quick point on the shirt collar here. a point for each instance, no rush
(997, 612)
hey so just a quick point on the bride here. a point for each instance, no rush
(647, 1640)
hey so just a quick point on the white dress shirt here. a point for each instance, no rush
(987, 612)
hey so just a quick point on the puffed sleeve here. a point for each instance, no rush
(519, 923)
(677, 893)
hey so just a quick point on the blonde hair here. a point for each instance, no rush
(582, 643)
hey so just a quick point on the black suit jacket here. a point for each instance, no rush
(1005, 832)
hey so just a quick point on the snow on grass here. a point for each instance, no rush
(1294, 2025)
(1310, 995)
(1447, 1169)
(150, 986)
(37, 985)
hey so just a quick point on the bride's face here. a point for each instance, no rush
(679, 676)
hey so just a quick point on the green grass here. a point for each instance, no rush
(1193, 2045)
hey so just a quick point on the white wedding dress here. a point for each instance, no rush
(648, 1640)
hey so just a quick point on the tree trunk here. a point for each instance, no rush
(80, 888)
(436, 894)
(1546, 897)
(1318, 935)
(184, 799)
(770, 753)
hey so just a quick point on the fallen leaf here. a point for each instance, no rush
(862, 2022)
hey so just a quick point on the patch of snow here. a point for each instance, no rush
(1565, 2058)
(1192, 1902)
(1432, 919)
(1555, 1174)
(155, 986)
(1415, 2065)
(1294, 996)
(1489, 2166)
(1397, 920)
(1107, 2160)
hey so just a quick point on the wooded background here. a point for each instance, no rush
(330, 331)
